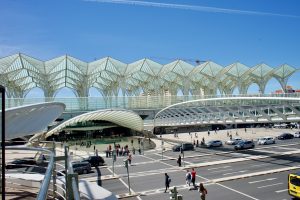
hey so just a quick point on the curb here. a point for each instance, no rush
(254, 174)
(126, 195)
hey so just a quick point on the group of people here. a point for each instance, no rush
(190, 177)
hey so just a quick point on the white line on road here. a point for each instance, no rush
(237, 191)
(139, 198)
(270, 185)
(279, 191)
(235, 172)
(258, 165)
(218, 168)
(269, 179)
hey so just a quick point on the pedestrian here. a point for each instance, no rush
(133, 150)
(203, 191)
(140, 152)
(167, 182)
(188, 177)
(245, 130)
(197, 145)
(179, 161)
(193, 177)
(129, 159)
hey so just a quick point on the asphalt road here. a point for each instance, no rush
(147, 172)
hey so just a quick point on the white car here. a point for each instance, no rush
(297, 135)
(266, 140)
(214, 143)
(233, 141)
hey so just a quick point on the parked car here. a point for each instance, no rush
(297, 134)
(82, 167)
(266, 140)
(19, 163)
(246, 144)
(214, 143)
(185, 147)
(95, 161)
(285, 136)
(233, 141)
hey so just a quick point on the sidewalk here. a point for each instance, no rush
(251, 133)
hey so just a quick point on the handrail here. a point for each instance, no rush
(75, 189)
(47, 178)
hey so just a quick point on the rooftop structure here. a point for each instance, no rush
(20, 73)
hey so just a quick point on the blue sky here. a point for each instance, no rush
(193, 30)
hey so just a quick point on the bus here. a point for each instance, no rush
(294, 185)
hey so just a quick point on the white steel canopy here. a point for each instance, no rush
(20, 73)
(230, 110)
(27, 120)
(124, 118)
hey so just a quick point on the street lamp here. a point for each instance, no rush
(2, 131)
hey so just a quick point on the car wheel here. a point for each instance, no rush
(85, 171)
(252, 146)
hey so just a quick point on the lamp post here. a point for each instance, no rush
(2, 91)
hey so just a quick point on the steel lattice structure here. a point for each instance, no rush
(21, 73)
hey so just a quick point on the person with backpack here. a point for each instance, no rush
(203, 191)
(188, 177)
(167, 181)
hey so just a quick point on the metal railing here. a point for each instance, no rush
(69, 189)
(127, 102)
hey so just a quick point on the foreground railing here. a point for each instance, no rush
(67, 189)
(126, 102)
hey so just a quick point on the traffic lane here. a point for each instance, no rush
(120, 159)
(141, 167)
(157, 181)
(270, 186)
(96, 172)
(115, 186)
(245, 167)
(214, 191)
(193, 160)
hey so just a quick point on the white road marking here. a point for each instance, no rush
(139, 198)
(218, 168)
(258, 165)
(237, 191)
(270, 185)
(279, 191)
(235, 172)
(269, 179)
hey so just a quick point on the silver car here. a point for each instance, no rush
(247, 144)
(297, 135)
(214, 143)
(233, 141)
(266, 140)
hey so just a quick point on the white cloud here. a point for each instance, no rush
(191, 7)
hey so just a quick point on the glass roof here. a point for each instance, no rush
(20, 73)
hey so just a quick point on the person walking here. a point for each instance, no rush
(188, 177)
(193, 173)
(129, 158)
(203, 191)
(167, 182)
(179, 161)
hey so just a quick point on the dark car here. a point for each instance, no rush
(81, 167)
(19, 163)
(95, 160)
(185, 147)
(247, 144)
(285, 136)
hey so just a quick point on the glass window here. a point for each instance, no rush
(295, 180)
